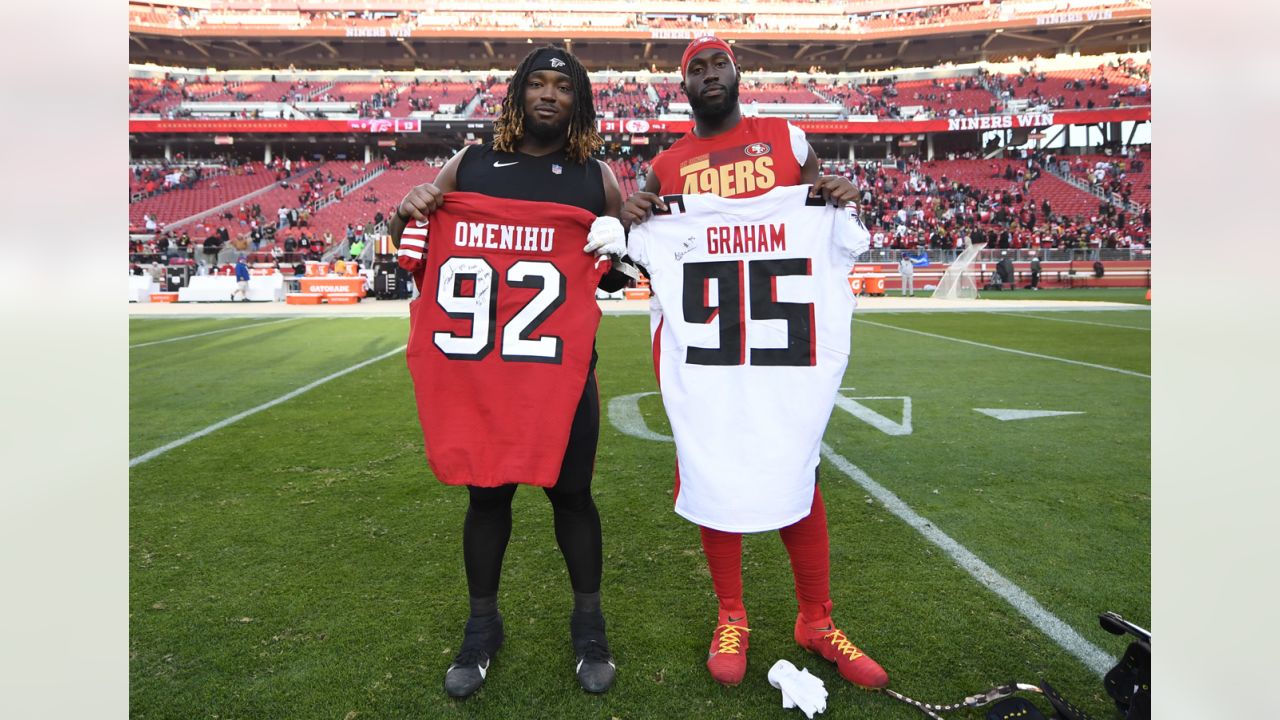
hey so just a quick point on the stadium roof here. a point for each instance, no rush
(851, 36)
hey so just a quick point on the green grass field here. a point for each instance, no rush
(303, 563)
(1135, 296)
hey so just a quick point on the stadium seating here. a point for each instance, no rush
(1071, 206)
(153, 94)
(948, 15)
(363, 93)
(435, 94)
(175, 205)
(1082, 167)
(1064, 199)
(624, 171)
(1062, 84)
(777, 93)
(974, 90)
(281, 197)
(264, 92)
(939, 96)
(490, 105)
(629, 100)
(389, 188)
(784, 15)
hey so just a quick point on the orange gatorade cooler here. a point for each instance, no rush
(873, 284)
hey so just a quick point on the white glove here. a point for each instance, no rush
(799, 688)
(606, 238)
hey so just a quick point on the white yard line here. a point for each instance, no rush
(1091, 655)
(624, 414)
(1010, 350)
(1078, 322)
(150, 455)
(211, 332)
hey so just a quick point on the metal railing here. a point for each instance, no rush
(1079, 184)
(992, 255)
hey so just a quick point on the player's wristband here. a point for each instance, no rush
(402, 217)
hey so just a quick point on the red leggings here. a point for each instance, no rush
(807, 544)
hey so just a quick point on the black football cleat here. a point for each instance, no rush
(595, 668)
(480, 642)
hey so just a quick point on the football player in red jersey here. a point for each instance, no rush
(543, 141)
(732, 156)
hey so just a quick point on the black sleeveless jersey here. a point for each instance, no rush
(546, 178)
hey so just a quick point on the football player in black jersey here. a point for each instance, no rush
(542, 147)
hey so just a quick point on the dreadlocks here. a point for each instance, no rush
(508, 129)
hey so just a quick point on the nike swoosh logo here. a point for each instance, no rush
(498, 164)
(737, 619)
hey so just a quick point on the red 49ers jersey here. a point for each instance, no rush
(751, 159)
(500, 338)
(752, 346)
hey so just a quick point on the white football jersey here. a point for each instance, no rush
(751, 331)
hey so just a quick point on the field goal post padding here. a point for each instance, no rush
(957, 282)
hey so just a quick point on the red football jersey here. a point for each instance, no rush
(749, 160)
(500, 338)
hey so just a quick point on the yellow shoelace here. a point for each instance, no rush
(728, 638)
(843, 645)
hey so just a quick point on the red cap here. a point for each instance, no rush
(702, 43)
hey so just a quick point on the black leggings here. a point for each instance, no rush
(487, 527)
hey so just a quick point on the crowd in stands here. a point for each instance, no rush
(844, 17)
(631, 172)
(169, 190)
(1123, 179)
(954, 203)
(308, 212)
(372, 99)
(1119, 83)
(907, 203)
(623, 99)
(164, 95)
(986, 93)
(150, 180)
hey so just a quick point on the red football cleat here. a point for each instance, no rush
(727, 659)
(822, 637)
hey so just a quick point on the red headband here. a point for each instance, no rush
(702, 43)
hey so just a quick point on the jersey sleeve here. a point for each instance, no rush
(850, 237)
(799, 145)
(412, 253)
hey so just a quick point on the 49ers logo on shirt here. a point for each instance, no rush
(724, 172)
